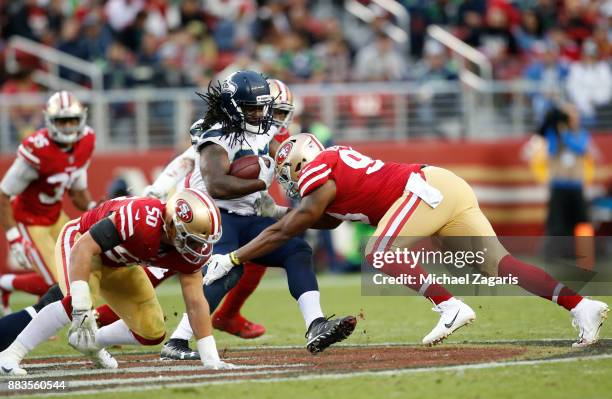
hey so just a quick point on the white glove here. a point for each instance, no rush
(266, 173)
(266, 206)
(218, 266)
(19, 247)
(82, 333)
(152, 191)
(209, 355)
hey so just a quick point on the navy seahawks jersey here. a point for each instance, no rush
(253, 144)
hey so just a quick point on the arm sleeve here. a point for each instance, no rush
(18, 177)
(105, 234)
(175, 171)
(313, 177)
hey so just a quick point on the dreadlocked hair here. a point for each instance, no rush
(216, 114)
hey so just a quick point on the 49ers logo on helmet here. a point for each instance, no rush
(183, 211)
(284, 152)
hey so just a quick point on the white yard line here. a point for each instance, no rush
(86, 362)
(349, 345)
(135, 370)
(335, 376)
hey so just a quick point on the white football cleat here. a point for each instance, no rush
(588, 317)
(103, 359)
(454, 314)
(10, 366)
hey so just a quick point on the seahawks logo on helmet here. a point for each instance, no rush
(183, 211)
(229, 87)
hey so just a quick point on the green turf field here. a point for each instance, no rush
(396, 320)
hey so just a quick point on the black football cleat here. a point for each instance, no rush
(324, 332)
(178, 349)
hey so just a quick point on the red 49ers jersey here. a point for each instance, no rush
(41, 202)
(140, 222)
(365, 188)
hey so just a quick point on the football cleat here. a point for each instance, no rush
(178, 349)
(238, 326)
(454, 314)
(324, 332)
(588, 317)
(10, 359)
(103, 360)
(10, 367)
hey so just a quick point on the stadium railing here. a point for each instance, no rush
(159, 118)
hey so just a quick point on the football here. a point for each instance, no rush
(246, 167)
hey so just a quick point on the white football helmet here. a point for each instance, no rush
(62, 107)
(283, 107)
(292, 156)
(197, 221)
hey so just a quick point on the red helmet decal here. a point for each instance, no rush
(183, 211)
(283, 152)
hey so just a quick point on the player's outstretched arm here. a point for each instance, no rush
(215, 166)
(80, 257)
(197, 308)
(306, 215)
(198, 313)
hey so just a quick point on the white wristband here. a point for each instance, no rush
(81, 298)
(208, 349)
(91, 205)
(12, 234)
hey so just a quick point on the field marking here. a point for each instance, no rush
(87, 362)
(136, 370)
(334, 376)
(349, 345)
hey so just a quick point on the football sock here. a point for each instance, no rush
(32, 283)
(117, 333)
(235, 299)
(538, 282)
(310, 306)
(106, 316)
(183, 330)
(44, 325)
(434, 292)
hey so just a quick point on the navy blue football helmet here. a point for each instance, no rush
(246, 99)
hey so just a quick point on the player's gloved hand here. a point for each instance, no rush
(266, 206)
(218, 266)
(82, 333)
(209, 355)
(266, 172)
(19, 247)
(152, 191)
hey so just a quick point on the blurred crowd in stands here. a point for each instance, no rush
(171, 43)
